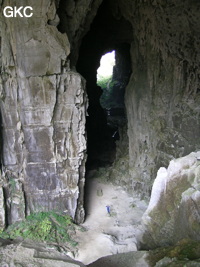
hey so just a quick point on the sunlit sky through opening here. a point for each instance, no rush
(106, 65)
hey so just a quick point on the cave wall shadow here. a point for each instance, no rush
(106, 34)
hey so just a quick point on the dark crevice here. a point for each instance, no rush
(5, 207)
(25, 202)
(106, 33)
(5, 197)
(1, 141)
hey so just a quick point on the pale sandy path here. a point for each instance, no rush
(107, 234)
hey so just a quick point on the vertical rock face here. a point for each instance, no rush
(162, 98)
(43, 107)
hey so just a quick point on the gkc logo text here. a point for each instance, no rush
(13, 12)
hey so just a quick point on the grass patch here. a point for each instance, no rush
(50, 227)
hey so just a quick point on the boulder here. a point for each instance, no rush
(174, 209)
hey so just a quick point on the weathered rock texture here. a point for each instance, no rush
(136, 258)
(174, 209)
(162, 98)
(43, 102)
(76, 17)
(43, 107)
(28, 253)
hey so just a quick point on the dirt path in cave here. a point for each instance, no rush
(109, 234)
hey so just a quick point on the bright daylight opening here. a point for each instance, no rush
(106, 66)
(105, 79)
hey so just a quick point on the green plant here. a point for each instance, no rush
(51, 227)
(110, 95)
(103, 81)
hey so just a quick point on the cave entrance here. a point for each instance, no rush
(105, 155)
(102, 131)
(108, 98)
(105, 79)
(107, 33)
(107, 112)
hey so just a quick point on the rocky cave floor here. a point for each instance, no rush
(108, 240)
(106, 233)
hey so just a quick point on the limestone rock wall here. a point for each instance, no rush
(163, 96)
(43, 102)
(43, 106)
(173, 211)
(75, 19)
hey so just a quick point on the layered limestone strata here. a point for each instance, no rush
(43, 111)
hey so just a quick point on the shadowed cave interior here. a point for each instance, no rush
(106, 34)
(152, 121)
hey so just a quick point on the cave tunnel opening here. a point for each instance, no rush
(105, 79)
(106, 29)
(106, 34)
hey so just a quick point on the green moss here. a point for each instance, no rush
(51, 227)
(185, 249)
(189, 249)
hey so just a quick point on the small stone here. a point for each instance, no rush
(99, 192)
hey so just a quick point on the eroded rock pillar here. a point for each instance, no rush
(43, 109)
